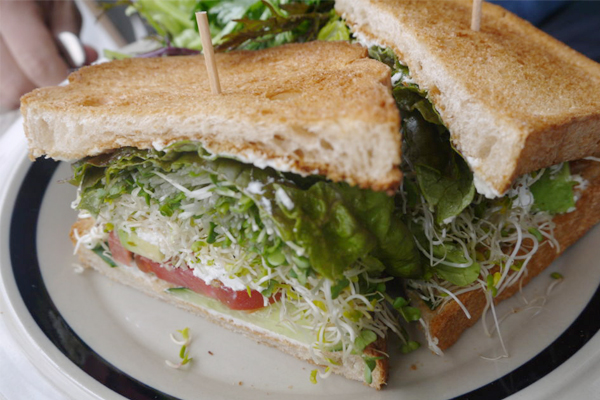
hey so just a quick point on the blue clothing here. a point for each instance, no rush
(576, 23)
(533, 11)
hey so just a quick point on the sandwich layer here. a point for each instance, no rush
(449, 321)
(321, 108)
(352, 367)
(514, 99)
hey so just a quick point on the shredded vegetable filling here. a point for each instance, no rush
(469, 242)
(210, 226)
(501, 237)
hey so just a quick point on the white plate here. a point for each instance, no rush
(103, 338)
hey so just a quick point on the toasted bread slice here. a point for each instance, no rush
(352, 368)
(514, 99)
(317, 108)
(447, 323)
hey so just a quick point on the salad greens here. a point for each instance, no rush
(271, 23)
(336, 29)
(242, 24)
(442, 175)
(335, 224)
(172, 20)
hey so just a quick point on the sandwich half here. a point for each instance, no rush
(491, 123)
(514, 99)
(265, 209)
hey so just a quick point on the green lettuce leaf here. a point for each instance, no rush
(452, 253)
(336, 224)
(173, 20)
(443, 176)
(554, 192)
(458, 276)
(336, 29)
(386, 56)
(433, 168)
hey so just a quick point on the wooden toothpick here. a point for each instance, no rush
(209, 52)
(476, 15)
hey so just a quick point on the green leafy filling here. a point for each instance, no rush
(99, 250)
(432, 167)
(553, 193)
(370, 365)
(337, 225)
(441, 174)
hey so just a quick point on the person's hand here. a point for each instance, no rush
(29, 56)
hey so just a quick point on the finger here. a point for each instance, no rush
(65, 16)
(13, 82)
(31, 43)
(91, 54)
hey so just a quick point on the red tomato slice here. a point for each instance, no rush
(178, 276)
(119, 253)
(240, 299)
(234, 299)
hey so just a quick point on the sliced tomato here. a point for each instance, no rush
(119, 253)
(241, 299)
(178, 276)
(234, 299)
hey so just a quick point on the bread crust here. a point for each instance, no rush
(514, 99)
(353, 368)
(449, 322)
(315, 108)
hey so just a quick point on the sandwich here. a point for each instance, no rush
(266, 209)
(479, 201)
(492, 123)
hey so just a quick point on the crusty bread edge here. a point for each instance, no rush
(154, 287)
(448, 323)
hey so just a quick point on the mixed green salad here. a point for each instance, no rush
(339, 255)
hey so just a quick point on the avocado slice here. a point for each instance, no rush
(133, 243)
